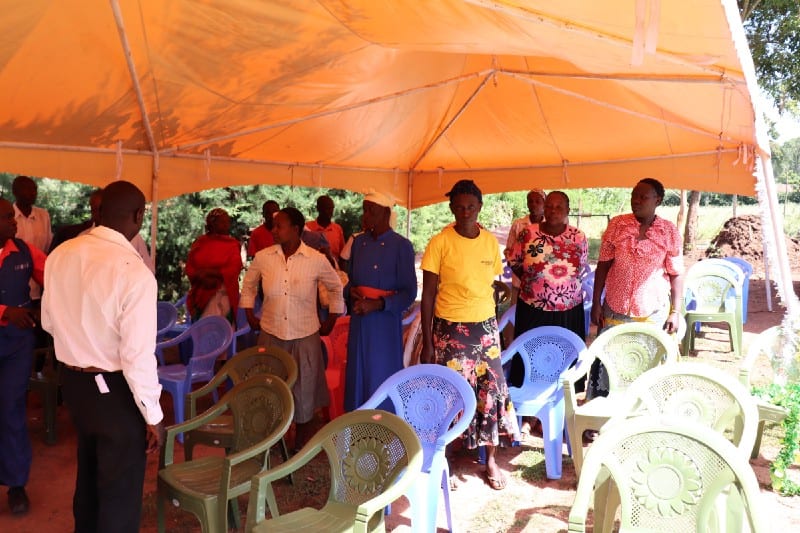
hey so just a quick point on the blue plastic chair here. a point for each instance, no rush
(210, 337)
(747, 268)
(240, 341)
(508, 318)
(547, 353)
(166, 316)
(429, 398)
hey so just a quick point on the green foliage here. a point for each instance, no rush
(772, 27)
(788, 397)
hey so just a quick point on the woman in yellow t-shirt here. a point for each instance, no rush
(459, 327)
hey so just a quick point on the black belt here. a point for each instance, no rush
(88, 369)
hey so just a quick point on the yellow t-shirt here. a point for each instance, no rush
(466, 270)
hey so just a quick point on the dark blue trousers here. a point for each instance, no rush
(15, 444)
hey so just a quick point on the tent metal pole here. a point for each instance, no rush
(410, 190)
(123, 37)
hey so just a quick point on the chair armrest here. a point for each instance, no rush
(185, 334)
(570, 377)
(261, 493)
(172, 432)
(400, 488)
(208, 388)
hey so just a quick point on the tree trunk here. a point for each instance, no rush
(691, 221)
(680, 222)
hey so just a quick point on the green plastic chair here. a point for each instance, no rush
(717, 294)
(671, 476)
(47, 382)
(694, 392)
(262, 408)
(245, 364)
(626, 351)
(766, 343)
(375, 457)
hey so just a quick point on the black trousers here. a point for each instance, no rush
(111, 453)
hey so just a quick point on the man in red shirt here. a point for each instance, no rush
(261, 237)
(324, 224)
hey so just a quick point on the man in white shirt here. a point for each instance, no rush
(137, 242)
(100, 306)
(289, 272)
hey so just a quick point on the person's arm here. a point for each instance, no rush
(676, 297)
(247, 300)
(430, 284)
(600, 275)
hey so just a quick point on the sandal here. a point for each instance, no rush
(497, 483)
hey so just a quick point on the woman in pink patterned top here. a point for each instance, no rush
(548, 258)
(641, 268)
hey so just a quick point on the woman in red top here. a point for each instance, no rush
(640, 266)
(213, 267)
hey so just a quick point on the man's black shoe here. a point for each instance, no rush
(18, 501)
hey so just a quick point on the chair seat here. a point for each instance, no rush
(528, 400)
(332, 517)
(602, 406)
(200, 477)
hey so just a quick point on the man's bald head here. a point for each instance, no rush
(122, 208)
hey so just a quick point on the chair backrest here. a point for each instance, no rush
(509, 317)
(261, 406)
(412, 342)
(336, 342)
(546, 352)
(696, 392)
(429, 398)
(723, 264)
(710, 285)
(166, 316)
(766, 343)
(261, 360)
(368, 451)
(629, 350)
(670, 476)
(211, 336)
(743, 264)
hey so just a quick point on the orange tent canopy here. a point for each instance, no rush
(406, 97)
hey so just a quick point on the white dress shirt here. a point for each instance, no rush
(290, 290)
(34, 229)
(100, 307)
(139, 245)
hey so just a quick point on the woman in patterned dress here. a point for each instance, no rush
(641, 268)
(459, 327)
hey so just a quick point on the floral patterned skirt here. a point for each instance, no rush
(473, 350)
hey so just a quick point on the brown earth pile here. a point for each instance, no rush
(742, 237)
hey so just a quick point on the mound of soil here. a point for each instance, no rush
(742, 237)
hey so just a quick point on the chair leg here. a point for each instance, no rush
(606, 501)
(757, 443)
(553, 432)
(446, 497)
(234, 514)
(160, 513)
(285, 455)
(575, 433)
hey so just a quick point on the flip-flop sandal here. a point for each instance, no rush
(495, 483)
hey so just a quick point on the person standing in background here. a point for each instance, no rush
(383, 284)
(324, 224)
(100, 306)
(535, 215)
(261, 237)
(20, 262)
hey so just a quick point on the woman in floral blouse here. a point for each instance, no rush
(548, 258)
(459, 327)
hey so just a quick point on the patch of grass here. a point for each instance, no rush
(494, 516)
(530, 465)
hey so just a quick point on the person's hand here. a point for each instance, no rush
(427, 355)
(597, 316)
(155, 437)
(672, 323)
(327, 326)
(255, 325)
(365, 306)
(22, 317)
